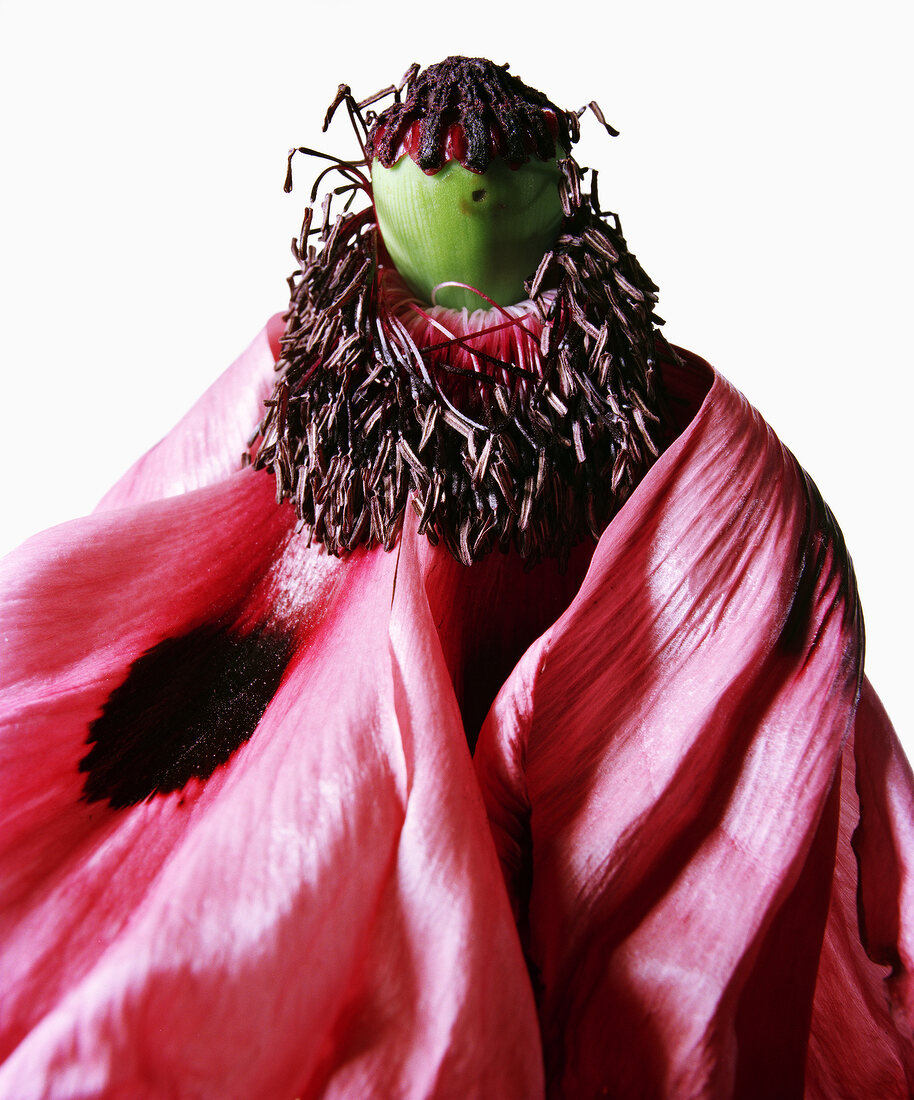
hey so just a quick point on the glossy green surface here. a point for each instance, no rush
(488, 229)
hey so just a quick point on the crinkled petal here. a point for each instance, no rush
(324, 913)
(863, 1015)
(81, 602)
(884, 845)
(244, 851)
(661, 774)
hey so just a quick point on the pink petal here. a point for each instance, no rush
(207, 443)
(325, 914)
(860, 1043)
(660, 774)
(79, 604)
(884, 845)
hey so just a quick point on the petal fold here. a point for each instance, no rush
(245, 850)
(323, 914)
(662, 774)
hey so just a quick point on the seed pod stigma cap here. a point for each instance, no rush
(470, 110)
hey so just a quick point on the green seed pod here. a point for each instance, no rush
(486, 229)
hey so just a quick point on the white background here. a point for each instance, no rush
(762, 177)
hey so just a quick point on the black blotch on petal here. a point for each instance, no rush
(187, 704)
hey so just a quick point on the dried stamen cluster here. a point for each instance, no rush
(363, 419)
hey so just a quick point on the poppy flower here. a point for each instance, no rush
(247, 849)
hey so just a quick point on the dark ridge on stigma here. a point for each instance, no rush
(186, 706)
